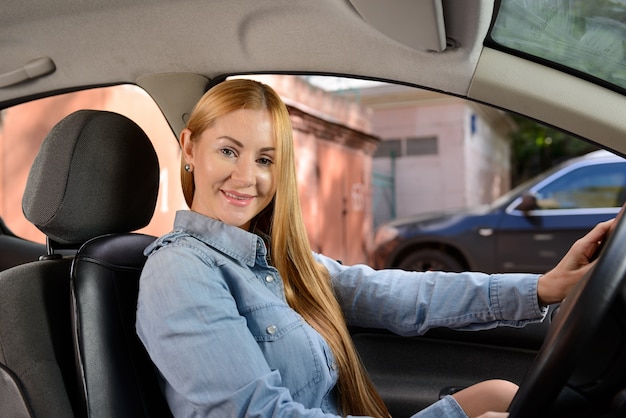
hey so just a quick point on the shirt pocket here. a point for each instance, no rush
(287, 342)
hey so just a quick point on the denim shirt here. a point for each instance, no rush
(212, 315)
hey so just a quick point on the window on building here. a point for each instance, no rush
(422, 146)
(399, 147)
(388, 148)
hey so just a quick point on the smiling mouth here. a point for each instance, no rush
(237, 199)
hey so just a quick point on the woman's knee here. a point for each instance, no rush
(490, 395)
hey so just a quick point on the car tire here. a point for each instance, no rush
(430, 260)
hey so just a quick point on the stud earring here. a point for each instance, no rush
(188, 168)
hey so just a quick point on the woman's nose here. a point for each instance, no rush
(243, 172)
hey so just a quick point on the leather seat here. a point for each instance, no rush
(67, 323)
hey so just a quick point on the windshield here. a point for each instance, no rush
(584, 36)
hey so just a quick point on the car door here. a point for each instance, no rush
(568, 205)
(412, 373)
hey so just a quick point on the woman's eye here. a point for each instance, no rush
(227, 152)
(265, 161)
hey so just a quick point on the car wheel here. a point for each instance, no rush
(430, 260)
(580, 371)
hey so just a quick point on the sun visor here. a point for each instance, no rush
(417, 24)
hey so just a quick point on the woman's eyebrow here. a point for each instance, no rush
(240, 145)
(231, 139)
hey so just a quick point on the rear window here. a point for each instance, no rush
(24, 127)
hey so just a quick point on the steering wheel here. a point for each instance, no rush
(580, 370)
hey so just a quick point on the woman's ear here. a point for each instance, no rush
(186, 145)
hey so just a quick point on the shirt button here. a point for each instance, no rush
(269, 278)
(333, 366)
(271, 329)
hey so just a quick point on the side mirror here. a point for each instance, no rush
(528, 203)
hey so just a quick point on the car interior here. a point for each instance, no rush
(68, 346)
(80, 356)
(15, 251)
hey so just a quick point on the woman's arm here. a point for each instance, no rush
(410, 303)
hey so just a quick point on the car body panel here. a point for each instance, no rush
(535, 242)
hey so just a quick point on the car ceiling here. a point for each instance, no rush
(121, 40)
(115, 41)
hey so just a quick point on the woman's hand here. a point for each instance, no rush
(557, 283)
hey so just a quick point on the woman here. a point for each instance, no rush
(242, 319)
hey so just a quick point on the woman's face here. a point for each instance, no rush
(232, 164)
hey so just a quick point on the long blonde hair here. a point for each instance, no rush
(308, 288)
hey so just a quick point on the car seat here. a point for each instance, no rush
(73, 350)
(37, 377)
(14, 250)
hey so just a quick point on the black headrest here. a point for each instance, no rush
(96, 173)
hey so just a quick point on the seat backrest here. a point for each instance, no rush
(37, 375)
(119, 379)
(94, 181)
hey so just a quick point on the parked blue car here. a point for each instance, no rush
(528, 229)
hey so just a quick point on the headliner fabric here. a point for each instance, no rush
(96, 173)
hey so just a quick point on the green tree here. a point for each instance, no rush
(536, 148)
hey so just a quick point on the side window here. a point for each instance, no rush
(594, 186)
(23, 128)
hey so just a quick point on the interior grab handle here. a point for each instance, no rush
(36, 68)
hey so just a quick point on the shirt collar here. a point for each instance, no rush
(228, 239)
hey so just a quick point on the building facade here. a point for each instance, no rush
(436, 153)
